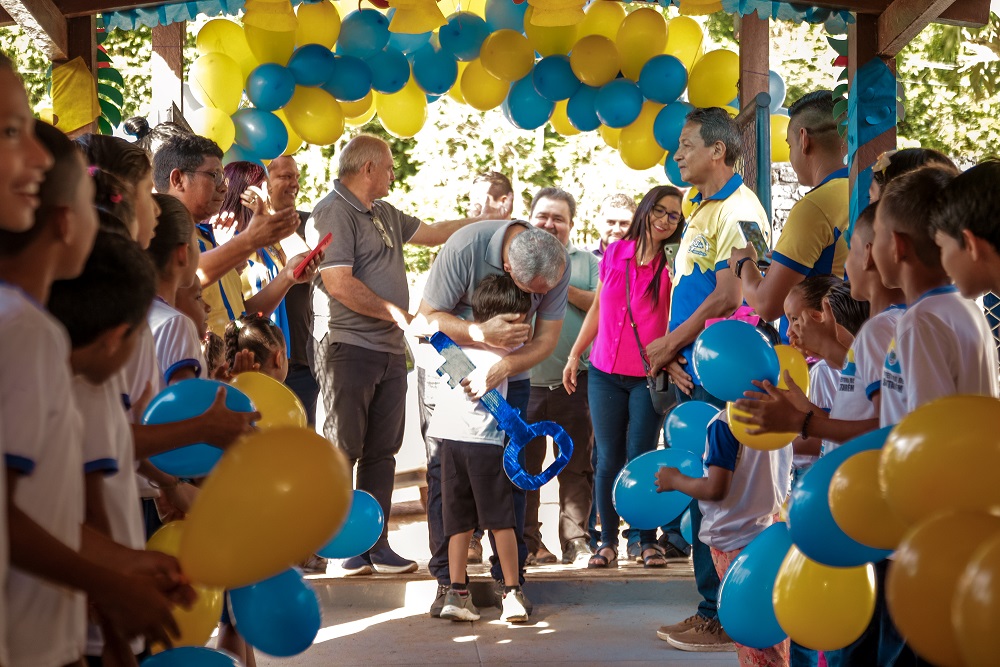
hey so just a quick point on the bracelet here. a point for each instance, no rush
(572, 358)
(738, 269)
(164, 487)
(805, 425)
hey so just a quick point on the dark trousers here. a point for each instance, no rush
(576, 481)
(517, 395)
(364, 395)
(303, 384)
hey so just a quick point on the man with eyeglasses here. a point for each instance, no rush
(362, 294)
(189, 168)
(814, 239)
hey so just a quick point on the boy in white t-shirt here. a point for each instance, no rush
(475, 490)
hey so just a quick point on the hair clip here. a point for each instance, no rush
(883, 161)
(238, 323)
(115, 198)
(92, 170)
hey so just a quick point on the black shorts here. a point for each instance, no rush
(475, 490)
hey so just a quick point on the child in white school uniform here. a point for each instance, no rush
(103, 333)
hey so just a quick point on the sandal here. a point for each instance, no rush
(655, 559)
(598, 560)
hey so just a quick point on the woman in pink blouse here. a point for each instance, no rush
(625, 423)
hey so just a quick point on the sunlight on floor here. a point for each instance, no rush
(353, 627)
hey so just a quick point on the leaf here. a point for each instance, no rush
(108, 74)
(104, 127)
(112, 93)
(111, 112)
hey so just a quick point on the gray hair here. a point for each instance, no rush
(716, 125)
(536, 253)
(359, 151)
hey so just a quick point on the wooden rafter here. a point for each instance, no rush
(43, 21)
(968, 13)
(901, 21)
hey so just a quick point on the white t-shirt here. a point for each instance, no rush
(862, 374)
(140, 369)
(942, 346)
(823, 382)
(455, 416)
(46, 623)
(177, 344)
(759, 486)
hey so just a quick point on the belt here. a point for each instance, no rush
(558, 385)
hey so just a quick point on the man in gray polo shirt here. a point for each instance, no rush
(362, 294)
(553, 210)
(538, 264)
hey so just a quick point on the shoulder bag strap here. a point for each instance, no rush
(631, 319)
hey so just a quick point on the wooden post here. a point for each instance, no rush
(863, 47)
(168, 70)
(755, 56)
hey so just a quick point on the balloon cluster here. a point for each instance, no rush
(270, 501)
(626, 76)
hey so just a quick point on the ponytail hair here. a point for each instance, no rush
(255, 333)
(174, 227)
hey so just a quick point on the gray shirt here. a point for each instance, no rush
(358, 244)
(471, 254)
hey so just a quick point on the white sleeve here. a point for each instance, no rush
(177, 347)
(100, 453)
(869, 354)
(26, 357)
(823, 385)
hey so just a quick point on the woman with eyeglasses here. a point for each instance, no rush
(633, 286)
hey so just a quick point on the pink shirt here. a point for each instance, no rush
(614, 349)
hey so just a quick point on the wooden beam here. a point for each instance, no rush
(754, 38)
(43, 21)
(903, 20)
(167, 63)
(967, 13)
(87, 7)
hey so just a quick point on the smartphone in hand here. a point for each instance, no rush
(320, 247)
(753, 236)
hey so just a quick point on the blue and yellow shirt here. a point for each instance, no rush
(225, 296)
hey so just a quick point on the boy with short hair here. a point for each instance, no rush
(475, 490)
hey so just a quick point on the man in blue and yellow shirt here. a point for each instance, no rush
(813, 241)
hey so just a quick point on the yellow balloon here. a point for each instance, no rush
(270, 46)
(602, 17)
(227, 37)
(943, 456)
(216, 81)
(820, 607)
(505, 55)
(277, 404)
(402, 114)
(549, 41)
(636, 145)
(315, 116)
(294, 140)
(684, 41)
(358, 107)
(688, 205)
(714, 79)
(559, 119)
(762, 441)
(793, 361)
(167, 539)
(923, 578)
(594, 59)
(480, 89)
(477, 7)
(456, 90)
(858, 507)
(274, 498)
(611, 135)
(780, 151)
(319, 23)
(364, 118)
(642, 35)
(975, 611)
(213, 124)
(693, 7)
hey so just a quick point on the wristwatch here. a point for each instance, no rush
(738, 269)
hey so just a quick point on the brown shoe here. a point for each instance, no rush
(683, 626)
(545, 557)
(707, 637)
(475, 551)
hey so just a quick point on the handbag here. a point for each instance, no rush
(660, 390)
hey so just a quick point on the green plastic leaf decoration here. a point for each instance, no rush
(112, 113)
(111, 74)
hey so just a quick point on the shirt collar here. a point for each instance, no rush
(344, 192)
(731, 186)
(494, 250)
(944, 289)
(843, 172)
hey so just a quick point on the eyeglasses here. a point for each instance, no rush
(218, 176)
(386, 239)
(659, 211)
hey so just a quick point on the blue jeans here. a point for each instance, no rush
(625, 426)
(705, 576)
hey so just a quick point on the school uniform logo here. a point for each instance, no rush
(700, 246)
(892, 372)
(847, 375)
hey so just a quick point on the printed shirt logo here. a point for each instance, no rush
(700, 246)
(847, 375)
(892, 373)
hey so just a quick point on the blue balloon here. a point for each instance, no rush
(505, 110)
(745, 607)
(810, 522)
(434, 71)
(686, 529)
(686, 426)
(776, 89)
(663, 78)
(729, 355)
(618, 103)
(192, 656)
(350, 79)
(406, 43)
(279, 616)
(390, 71)
(270, 86)
(363, 33)
(261, 132)
(674, 173)
(580, 109)
(669, 123)
(311, 64)
(463, 35)
(505, 14)
(635, 496)
(237, 153)
(528, 109)
(184, 400)
(431, 99)
(361, 530)
(554, 79)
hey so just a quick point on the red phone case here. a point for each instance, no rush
(320, 247)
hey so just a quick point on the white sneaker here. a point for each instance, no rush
(459, 607)
(513, 607)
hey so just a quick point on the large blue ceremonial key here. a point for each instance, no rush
(458, 367)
